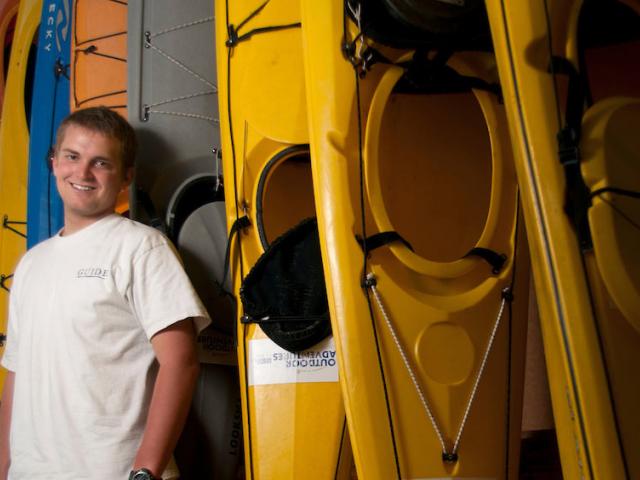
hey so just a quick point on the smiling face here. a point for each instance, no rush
(89, 175)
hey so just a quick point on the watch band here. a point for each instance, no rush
(142, 474)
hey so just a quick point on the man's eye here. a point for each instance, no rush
(71, 157)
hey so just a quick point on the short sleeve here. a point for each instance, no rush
(161, 293)
(10, 357)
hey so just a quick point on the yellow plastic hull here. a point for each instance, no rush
(14, 152)
(438, 170)
(292, 430)
(8, 12)
(588, 299)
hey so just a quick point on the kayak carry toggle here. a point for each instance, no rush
(369, 281)
(449, 457)
(507, 294)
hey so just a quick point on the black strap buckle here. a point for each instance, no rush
(232, 39)
(3, 279)
(61, 69)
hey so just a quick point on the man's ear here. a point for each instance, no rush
(52, 161)
(128, 177)
(51, 154)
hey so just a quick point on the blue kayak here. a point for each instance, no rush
(50, 106)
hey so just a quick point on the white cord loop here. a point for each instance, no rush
(446, 455)
(184, 97)
(184, 25)
(357, 13)
(148, 109)
(181, 65)
(182, 114)
(405, 359)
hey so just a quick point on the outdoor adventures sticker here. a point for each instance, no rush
(269, 364)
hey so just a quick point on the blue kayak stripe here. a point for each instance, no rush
(50, 106)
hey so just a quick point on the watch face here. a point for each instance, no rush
(143, 474)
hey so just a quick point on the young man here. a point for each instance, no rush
(102, 321)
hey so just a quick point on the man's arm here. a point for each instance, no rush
(175, 350)
(5, 424)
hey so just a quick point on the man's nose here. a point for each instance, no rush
(84, 170)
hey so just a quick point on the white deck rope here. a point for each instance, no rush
(214, 89)
(480, 372)
(372, 285)
(184, 97)
(184, 25)
(178, 63)
(405, 359)
(186, 115)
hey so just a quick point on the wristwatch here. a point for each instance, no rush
(142, 474)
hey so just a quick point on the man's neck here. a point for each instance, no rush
(73, 225)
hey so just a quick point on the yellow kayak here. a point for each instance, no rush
(8, 12)
(572, 94)
(425, 260)
(14, 146)
(293, 416)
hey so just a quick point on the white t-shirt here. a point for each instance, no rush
(82, 310)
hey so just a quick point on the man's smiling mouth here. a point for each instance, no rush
(82, 188)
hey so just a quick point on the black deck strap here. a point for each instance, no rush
(296, 153)
(252, 15)
(422, 75)
(6, 223)
(102, 37)
(576, 94)
(93, 50)
(618, 191)
(496, 260)
(239, 224)
(381, 239)
(79, 103)
(104, 95)
(369, 57)
(234, 38)
(425, 75)
(3, 338)
(3, 279)
(577, 195)
(380, 21)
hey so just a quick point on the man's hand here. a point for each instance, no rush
(175, 350)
